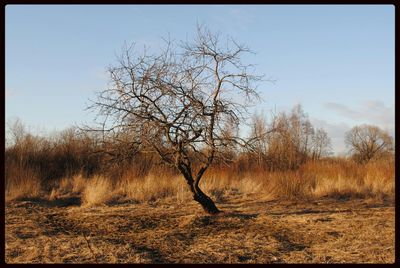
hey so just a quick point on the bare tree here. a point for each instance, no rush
(16, 131)
(177, 103)
(288, 140)
(367, 142)
(260, 131)
(321, 144)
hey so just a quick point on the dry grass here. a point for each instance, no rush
(69, 186)
(66, 165)
(337, 179)
(252, 230)
(25, 183)
(152, 187)
(346, 179)
(98, 190)
(331, 211)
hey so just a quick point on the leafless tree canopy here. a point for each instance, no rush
(183, 103)
(288, 140)
(367, 142)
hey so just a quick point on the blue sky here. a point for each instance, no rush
(337, 61)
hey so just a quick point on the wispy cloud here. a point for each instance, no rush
(372, 112)
(341, 109)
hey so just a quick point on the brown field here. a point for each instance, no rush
(327, 211)
(251, 230)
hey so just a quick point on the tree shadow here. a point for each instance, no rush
(222, 220)
(118, 202)
(59, 202)
(286, 245)
(239, 215)
(153, 254)
(308, 211)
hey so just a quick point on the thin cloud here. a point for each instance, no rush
(372, 112)
(341, 109)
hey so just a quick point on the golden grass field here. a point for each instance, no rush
(251, 230)
(318, 214)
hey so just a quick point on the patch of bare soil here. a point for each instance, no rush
(251, 230)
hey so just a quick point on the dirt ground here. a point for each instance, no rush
(251, 230)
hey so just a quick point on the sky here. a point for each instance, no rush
(337, 61)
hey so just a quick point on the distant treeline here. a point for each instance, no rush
(292, 142)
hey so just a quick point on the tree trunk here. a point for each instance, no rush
(206, 202)
(198, 195)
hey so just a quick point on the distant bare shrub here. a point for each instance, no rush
(293, 142)
(367, 142)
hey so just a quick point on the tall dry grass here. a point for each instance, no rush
(336, 178)
(65, 166)
(25, 183)
(98, 190)
(347, 179)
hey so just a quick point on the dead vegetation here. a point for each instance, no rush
(66, 203)
(331, 210)
(252, 229)
(327, 211)
(329, 178)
